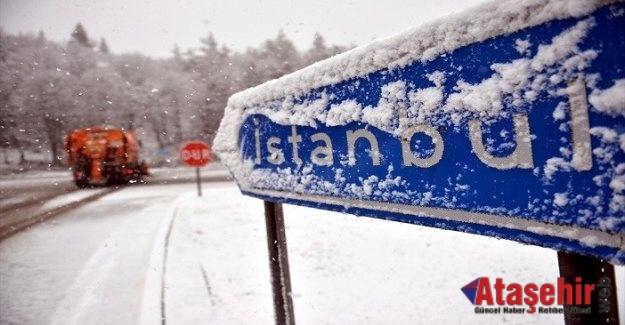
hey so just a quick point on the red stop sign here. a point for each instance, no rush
(196, 154)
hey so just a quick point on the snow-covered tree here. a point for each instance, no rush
(320, 51)
(48, 88)
(103, 47)
(79, 35)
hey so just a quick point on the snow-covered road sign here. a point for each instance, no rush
(507, 120)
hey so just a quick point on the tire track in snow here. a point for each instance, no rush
(184, 282)
(207, 285)
(81, 296)
(116, 269)
(165, 255)
(153, 301)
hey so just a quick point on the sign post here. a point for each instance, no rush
(279, 264)
(198, 181)
(497, 121)
(604, 308)
(196, 154)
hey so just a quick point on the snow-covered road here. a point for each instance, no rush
(86, 267)
(107, 262)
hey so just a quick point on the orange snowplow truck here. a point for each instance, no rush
(104, 155)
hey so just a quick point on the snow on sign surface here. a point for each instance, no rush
(507, 120)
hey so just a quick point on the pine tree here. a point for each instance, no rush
(319, 50)
(104, 48)
(79, 35)
(281, 56)
(41, 38)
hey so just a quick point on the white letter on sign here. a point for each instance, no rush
(353, 136)
(322, 155)
(582, 150)
(437, 140)
(295, 139)
(257, 143)
(522, 155)
(276, 156)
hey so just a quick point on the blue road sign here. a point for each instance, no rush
(506, 121)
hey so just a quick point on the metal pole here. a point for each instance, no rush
(603, 306)
(279, 264)
(197, 178)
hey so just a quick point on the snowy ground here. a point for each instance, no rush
(103, 263)
(345, 269)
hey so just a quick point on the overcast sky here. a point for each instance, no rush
(152, 27)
